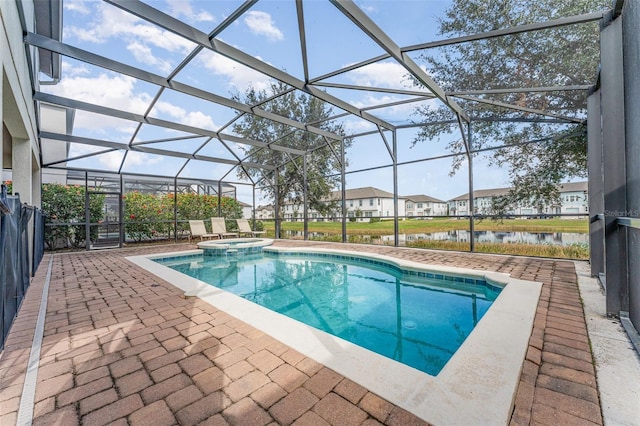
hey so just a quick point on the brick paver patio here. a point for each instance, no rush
(122, 347)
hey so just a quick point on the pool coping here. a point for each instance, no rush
(482, 376)
(226, 243)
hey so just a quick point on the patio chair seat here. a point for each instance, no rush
(198, 229)
(244, 228)
(218, 226)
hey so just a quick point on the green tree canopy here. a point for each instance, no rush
(562, 56)
(321, 163)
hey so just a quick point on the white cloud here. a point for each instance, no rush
(240, 76)
(371, 100)
(260, 23)
(183, 8)
(140, 37)
(203, 16)
(381, 74)
(192, 118)
(116, 92)
(357, 126)
(143, 54)
(139, 158)
(72, 70)
(112, 160)
(367, 8)
(77, 6)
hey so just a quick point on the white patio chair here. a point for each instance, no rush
(244, 228)
(198, 229)
(218, 226)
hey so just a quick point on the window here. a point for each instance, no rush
(378, 201)
(350, 214)
(350, 203)
(360, 203)
(409, 205)
(419, 205)
(368, 214)
(370, 201)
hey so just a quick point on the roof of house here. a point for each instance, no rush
(494, 192)
(573, 186)
(265, 207)
(421, 198)
(243, 204)
(366, 192)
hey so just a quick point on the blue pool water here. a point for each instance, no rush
(409, 317)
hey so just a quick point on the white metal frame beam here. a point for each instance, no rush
(358, 17)
(161, 19)
(85, 106)
(149, 150)
(101, 61)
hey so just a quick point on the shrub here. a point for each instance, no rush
(65, 204)
(142, 215)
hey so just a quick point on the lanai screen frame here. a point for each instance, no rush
(312, 87)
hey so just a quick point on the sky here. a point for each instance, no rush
(269, 32)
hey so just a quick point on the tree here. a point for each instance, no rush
(321, 163)
(561, 56)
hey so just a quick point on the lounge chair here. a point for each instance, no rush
(198, 229)
(244, 228)
(218, 226)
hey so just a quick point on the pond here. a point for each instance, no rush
(519, 237)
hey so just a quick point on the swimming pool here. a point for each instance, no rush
(414, 317)
(476, 386)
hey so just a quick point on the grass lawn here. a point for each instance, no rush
(356, 231)
(438, 225)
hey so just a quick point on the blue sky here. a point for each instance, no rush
(269, 32)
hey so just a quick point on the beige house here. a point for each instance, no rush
(424, 205)
(264, 212)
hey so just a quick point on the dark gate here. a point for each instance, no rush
(14, 266)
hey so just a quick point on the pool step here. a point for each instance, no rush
(232, 252)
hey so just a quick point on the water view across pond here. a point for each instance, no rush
(461, 236)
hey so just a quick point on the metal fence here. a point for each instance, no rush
(15, 271)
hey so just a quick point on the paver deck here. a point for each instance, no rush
(121, 346)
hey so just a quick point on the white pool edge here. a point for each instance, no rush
(477, 385)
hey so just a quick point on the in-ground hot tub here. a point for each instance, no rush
(233, 246)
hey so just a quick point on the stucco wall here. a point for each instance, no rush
(18, 114)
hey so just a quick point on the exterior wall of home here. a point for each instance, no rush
(571, 202)
(262, 214)
(425, 208)
(246, 212)
(574, 202)
(19, 142)
(368, 207)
